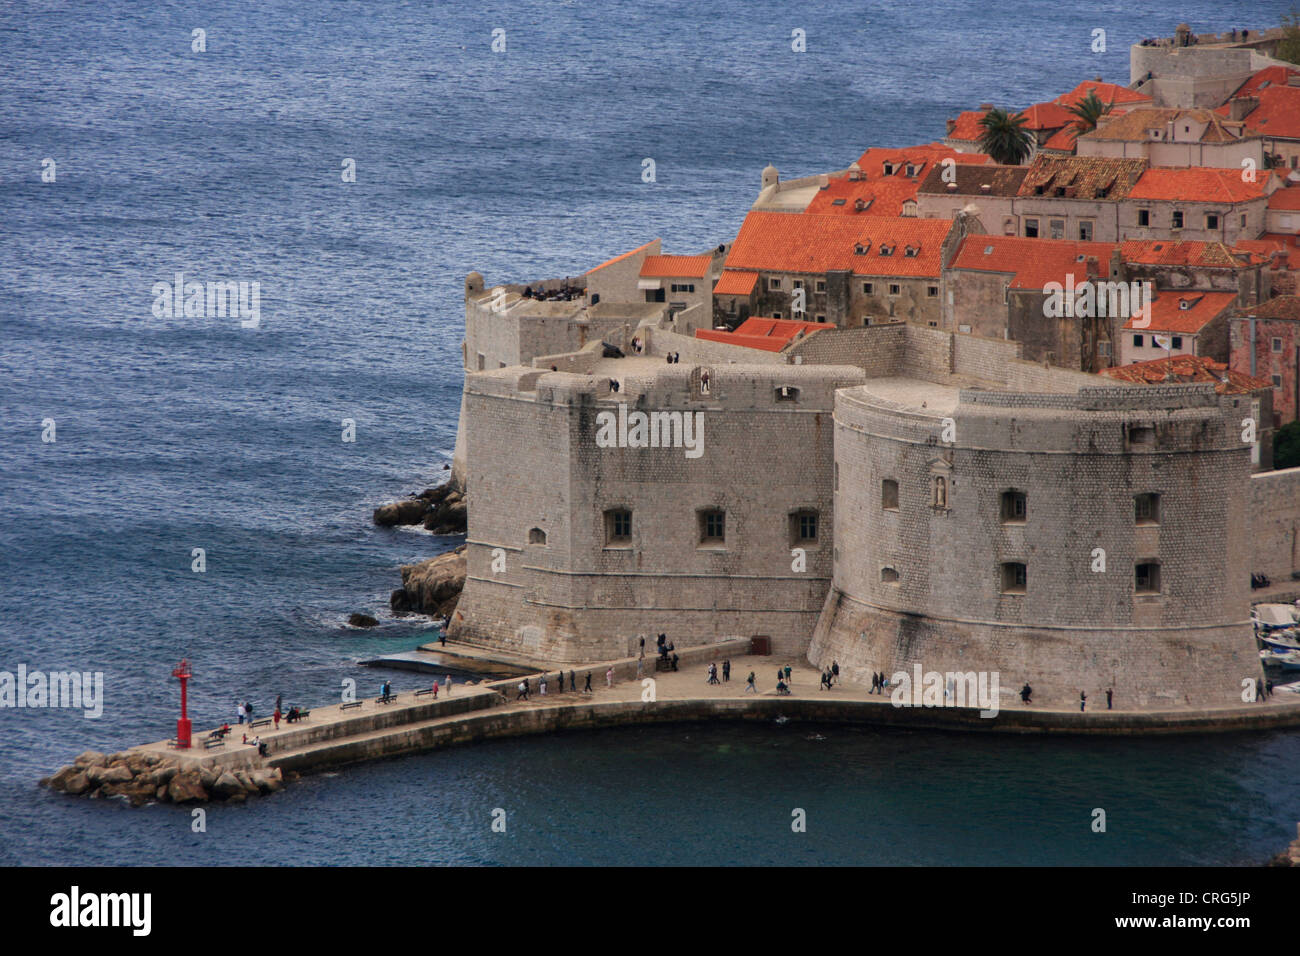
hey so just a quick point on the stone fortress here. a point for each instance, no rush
(882, 495)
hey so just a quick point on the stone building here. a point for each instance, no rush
(1171, 137)
(1179, 323)
(1264, 341)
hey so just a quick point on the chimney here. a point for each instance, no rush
(1280, 262)
(823, 181)
(1243, 106)
(952, 125)
(859, 205)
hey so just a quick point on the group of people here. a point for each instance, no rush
(543, 685)
(1027, 697)
(667, 654)
(879, 682)
(831, 674)
(674, 357)
(565, 293)
(713, 671)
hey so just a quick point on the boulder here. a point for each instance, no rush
(187, 788)
(432, 585)
(357, 619)
(152, 760)
(449, 517)
(137, 763)
(90, 758)
(60, 780)
(77, 784)
(161, 793)
(399, 603)
(208, 776)
(409, 511)
(434, 495)
(226, 785)
(164, 774)
(118, 773)
(246, 781)
(265, 781)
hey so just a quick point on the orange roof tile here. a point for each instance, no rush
(1269, 76)
(676, 267)
(770, 335)
(873, 161)
(1187, 312)
(1106, 92)
(1135, 125)
(1188, 369)
(735, 282)
(626, 255)
(1033, 262)
(880, 195)
(1167, 252)
(1197, 184)
(968, 128)
(1287, 198)
(1047, 115)
(781, 242)
(1062, 140)
(1277, 115)
(1278, 307)
(1082, 177)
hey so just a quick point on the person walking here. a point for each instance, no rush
(523, 690)
(609, 676)
(276, 716)
(788, 671)
(726, 671)
(1110, 697)
(586, 688)
(1083, 701)
(643, 645)
(573, 682)
(749, 684)
(835, 670)
(541, 685)
(1026, 693)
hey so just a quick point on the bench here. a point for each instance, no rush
(264, 722)
(212, 742)
(422, 693)
(350, 704)
(381, 699)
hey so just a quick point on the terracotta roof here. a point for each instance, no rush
(770, 335)
(626, 255)
(1276, 116)
(1106, 92)
(1269, 76)
(873, 161)
(1032, 262)
(1062, 140)
(1136, 125)
(1167, 252)
(676, 267)
(880, 195)
(968, 128)
(1082, 177)
(1049, 115)
(735, 282)
(970, 180)
(1197, 184)
(781, 242)
(1278, 307)
(1188, 369)
(1186, 311)
(1287, 198)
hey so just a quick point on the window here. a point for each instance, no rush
(618, 526)
(821, 285)
(932, 292)
(1057, 228)
(1146, 509)
(684, 287)
(1277, 381)
(1085, 230)
(798, 283)
(1031, 228)
(1176, 341)
(482, 361)
(1103, 348)
(1243, 215)
(778, 314)
(1137, 341)
(888, 576)
(655, 295)
(889, 494)
(939, 492)
(773, 282)
(803, 528)
(536, 536)
(713, 526)
(1014, 578)
(787, 393)
(868, 288)
(1146, 578)
(1177, 219)
(1211, 220)
(894, 288)
(1277, 344)
(1144, 217)
(821, 318)
(1141, 435)
(1014, 507)
(888, 169)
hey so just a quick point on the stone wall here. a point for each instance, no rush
(1274, 522)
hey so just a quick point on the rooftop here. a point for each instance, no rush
(1167, 252)
(971, 180)
(1187, 370)
(1082, 177)
(620, 258)
(736, 282)
(1111, 93)
(1185, 312)
(1032, 262)
(684, 267)
(1150, 125)
(1279, 307)
(862, 245)
(1198, 184)
(770, 335)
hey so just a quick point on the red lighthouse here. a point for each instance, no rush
(182, 671)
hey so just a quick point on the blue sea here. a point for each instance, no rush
(175, 433)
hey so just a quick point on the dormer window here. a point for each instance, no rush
(911, 169)
(912, 252)
(862, 248)
(886, 250)
(888, 168)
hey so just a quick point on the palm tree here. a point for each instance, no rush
(1005, 138)
(1088, 113)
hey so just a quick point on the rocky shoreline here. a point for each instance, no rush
(441, 510)
(142, 778)
(432, 586)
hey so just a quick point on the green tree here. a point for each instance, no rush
(1087, 114)
(1289, 48)
(1005, 137)
(1286, 446)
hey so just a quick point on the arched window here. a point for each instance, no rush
(536, 536)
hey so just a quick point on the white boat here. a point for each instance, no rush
(1272, 617)
(1280, 641)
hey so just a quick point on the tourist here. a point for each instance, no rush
(448, 685)
(781, 687)
(279, 699)
(826, 680)
(435, 688)
(726, 671)
(442, 635)
(523, 690)
(835, 670)
(788, 670)
(573, 682)
(248, 711)
(609, 676)
(671, 647)
(639, 667)
(541, 684)
(875, 682)
(559, 682)
(586, 688)
(262, 749)
(276, 716)
(1110, 696)
(239, 709)
(1025, 693)
(1083, 701)
(642, 636)
(749, 684)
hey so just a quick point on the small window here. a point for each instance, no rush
(773, 282)
(1014, 507)
(803, 528)
(1211, 220)
(894, 288)
(1277, 381)
(1146, 578)
(618, 526)
(821, 318)
(888, 576)
(1144, 217)
(684, 287)
(1277, 344)
(868, 288)
(889, 494)
(1057, 228)
(1031, 228)
(1085, 231)
(1146, 509)
(1141, 435)
(482, 361)
(821, 285)
(1177, 219)
(932, 291)
(1137, 341)
(1014, 578)
(787, 393)
(536, 536)
(1243, 215)
(713, 526)
(798, 283)
(1176, 341)
(655, 295)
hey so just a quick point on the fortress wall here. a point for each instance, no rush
(584, 597)
(1070, 457)
(1274, 522)
(876, 349)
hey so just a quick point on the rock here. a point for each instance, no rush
(225, 785)
(161, 793)
(60, 780)
(410, 511)
(208, 776)
(450, 517)
(90, 758)
(265, 781)
(187, 788)
(76, 785)
(163, 775)
(431, 585)
(357, 619)
(152, 759)
(434, 495)
(118, 773)
(137, 763)
(237, 797)
(399, 603)
(246, 781)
